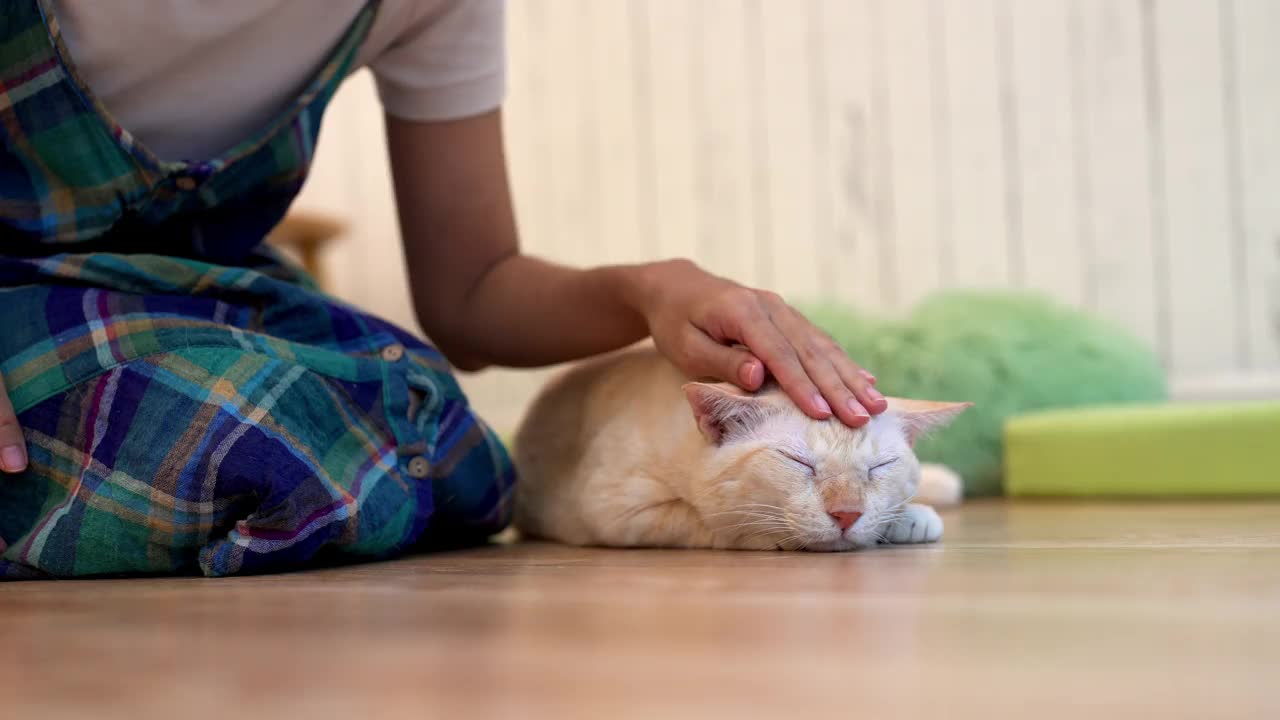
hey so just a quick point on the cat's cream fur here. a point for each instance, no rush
(621, 451)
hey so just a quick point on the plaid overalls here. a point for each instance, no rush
(191, 402)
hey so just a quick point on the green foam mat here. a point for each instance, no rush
(1144, 451)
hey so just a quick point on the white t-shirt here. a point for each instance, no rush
(191, 78)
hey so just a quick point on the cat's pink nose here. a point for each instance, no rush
(845, 519)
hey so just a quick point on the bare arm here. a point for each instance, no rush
(484, 303)
(477, 297)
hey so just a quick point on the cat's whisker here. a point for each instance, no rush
(753, 524)
(760, 516)
(749, 513)
(758, 524)
(770, 531)
(895, 506)
(747, 506)
(886, 524)
(770, 513)
(795, 536)
(772, 525)
(773, 520)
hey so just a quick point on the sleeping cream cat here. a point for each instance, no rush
(623, 452)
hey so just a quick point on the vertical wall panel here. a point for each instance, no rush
(1255, 55)
(917, 173)
(1120, 266)
(787, 112)
(569, 173)
(612, 69)
(674, 138)
(978, 188)
(1201, 298)
(1042, 74)
(728, 241)
(851, 254)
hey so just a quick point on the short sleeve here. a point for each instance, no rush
(447, 64)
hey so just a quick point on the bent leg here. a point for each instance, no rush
(211, 459)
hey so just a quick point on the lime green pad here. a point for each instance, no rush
(1148, 450)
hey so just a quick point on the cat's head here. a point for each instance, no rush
(773, 477)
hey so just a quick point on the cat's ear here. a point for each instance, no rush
(919, 417)
(722, 411)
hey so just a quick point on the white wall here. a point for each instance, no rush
(1123, 155)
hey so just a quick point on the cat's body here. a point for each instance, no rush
(621, 451)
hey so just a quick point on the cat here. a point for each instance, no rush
(621, 451)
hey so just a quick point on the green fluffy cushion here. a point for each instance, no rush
(1009, 353)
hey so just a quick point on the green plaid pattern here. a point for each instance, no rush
(72, 176)
(191, 402)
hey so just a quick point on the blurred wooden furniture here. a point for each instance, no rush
(306, 235)
(1046, 610)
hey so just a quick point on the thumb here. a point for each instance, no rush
(731, 364)
(13, 452)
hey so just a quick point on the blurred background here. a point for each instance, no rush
(1122, 156)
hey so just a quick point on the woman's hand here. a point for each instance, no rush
(712, 327)
(13, 452)
(484, 303)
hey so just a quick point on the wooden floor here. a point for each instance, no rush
(1029, 611)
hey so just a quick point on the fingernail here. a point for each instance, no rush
(821, 404)
(868, 376)
(748, 372)
(13, 459)
(857, 409)
(874, 394)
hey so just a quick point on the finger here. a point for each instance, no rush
(13, 450)
(770, 345)
(819, 351)
(855, 378)
(839, 377)
(707, 358)
(834, 389)
(818, 355)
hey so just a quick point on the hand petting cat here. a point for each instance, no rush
(485, 303)
(710, 327)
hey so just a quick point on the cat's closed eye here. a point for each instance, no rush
(882, 464)
(796, 459)
(880, 467)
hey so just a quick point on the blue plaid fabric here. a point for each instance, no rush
(190, 401)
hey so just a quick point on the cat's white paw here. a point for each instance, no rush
(917, 524)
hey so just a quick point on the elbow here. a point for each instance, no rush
(456, 350)
(451, 339)
(465, 363)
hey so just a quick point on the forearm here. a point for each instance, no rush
(484, 303)
(527, 312)
(479, 299)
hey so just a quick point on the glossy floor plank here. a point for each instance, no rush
(1026, 610)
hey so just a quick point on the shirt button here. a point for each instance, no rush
(392, 353)
(186, 184)
(419, 467)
